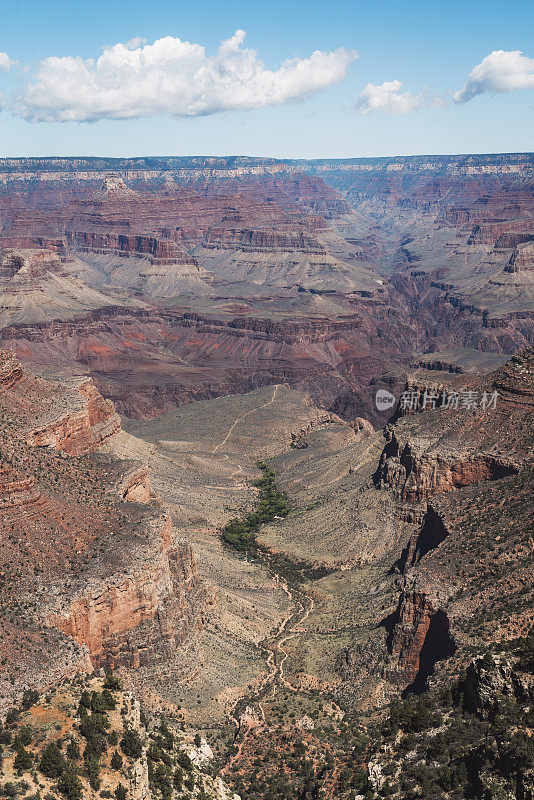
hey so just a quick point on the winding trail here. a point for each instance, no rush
(274, 679)
(248, 413)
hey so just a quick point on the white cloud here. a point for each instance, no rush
(172, 77)
(387, 98)
(135, 42)
(501, 71)
(6, 62)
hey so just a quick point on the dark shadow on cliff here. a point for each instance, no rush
(438, 646)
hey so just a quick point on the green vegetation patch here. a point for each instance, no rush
(240, 532)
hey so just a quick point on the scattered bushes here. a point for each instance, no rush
(413, 715)
(526, 653)
(112, 682)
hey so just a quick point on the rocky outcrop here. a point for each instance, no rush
(522, 258)
(449, 566)
(415, 475)
(88, 536)
(28, 264)
(498, 234)
(82, 427)
(10, 370)
(16, 489)
(135, 618)
(419, 637)
(489, 681)
(362, 428)
(134, 485)
(157, 251)
(263, 241)
(513, 239)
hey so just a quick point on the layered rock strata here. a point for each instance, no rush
(88, 544)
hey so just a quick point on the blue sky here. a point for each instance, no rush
(429, 48)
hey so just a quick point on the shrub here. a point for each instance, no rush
(154, 752)
(23, 761)
(163, 780)
(178, 779)
(69, 783)
(5, 735)
(52, 761)
(120, 792)
(240, 532)
(73, 750)
(92, 768)
(413, 716)
(23, 738)
(112, 682)
(85, 699)
(29, 698)
(116, 761)
(131, 744)
(100, 703)
(94, 725)
(183, 760)
(526, 652)
(12, 716)
(166, 737)
(113, 738)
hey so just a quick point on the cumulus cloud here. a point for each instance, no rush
(387, 98)
(135, 42)
(6, 62)
(501, 71)
(172, 77)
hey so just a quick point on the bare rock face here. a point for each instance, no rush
(522, 258)
(439, 451)
(84, 425)
(144, 616)
(490, 680)
(479, 462)
(10, 370)
(113, 188)
(415, 475)
(16, 489)
(90, 540)
(420, 637)
(156, 250)
(262, 241)
(28, 264)
(285, 245)
(362, 428)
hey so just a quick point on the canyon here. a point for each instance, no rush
(221, 275)
(170, 325)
